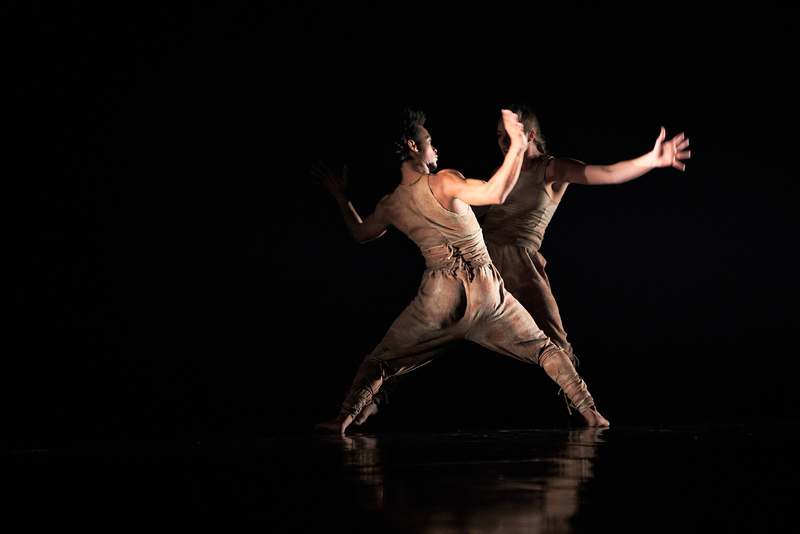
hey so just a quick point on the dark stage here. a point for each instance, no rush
(711, 478)
(193, 305)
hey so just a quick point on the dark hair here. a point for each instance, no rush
(530, 122)
(407, 122)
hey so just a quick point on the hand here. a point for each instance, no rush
(515, 130)
(670, 153)
(335, 184)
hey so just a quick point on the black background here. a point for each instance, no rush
(197, 283)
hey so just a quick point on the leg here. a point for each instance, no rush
(422, 332)
(369, 377)
(559, 368)
(524, 276)
(380, 398)
(509, 329)
(366, 412)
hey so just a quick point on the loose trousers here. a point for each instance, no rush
(464, 304)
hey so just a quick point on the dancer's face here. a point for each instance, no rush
(427, 153)
(503, 140)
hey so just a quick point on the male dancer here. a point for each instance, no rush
(514, 230)
(462, 295)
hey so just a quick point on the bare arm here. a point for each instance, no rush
(664, 154)
(374, 226)
(452, 185)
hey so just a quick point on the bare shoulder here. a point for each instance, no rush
(443, 181)
(558, 169)
(557, 176)
(449, 174)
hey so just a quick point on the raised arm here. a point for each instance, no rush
(664, 154)
(452, 185)
(374, 226)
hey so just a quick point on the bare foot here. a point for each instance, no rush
(337, 425)
(369, 409)
(594, 419)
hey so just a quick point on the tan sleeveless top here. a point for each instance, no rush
(522, 219)
(447, 240)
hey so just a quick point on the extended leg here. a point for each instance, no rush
(558, 367)
(421, 333)
(368, 380)
(511, 330)
(378, 399)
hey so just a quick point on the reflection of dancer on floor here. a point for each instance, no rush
(514, 230)
(461, 295)
(558, 492)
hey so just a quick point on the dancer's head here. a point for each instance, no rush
(413, 140)
(530, 123)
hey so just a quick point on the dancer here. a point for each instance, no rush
(461, 295)
(514, 230)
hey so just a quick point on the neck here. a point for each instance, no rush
(412, 170)
(531, 156)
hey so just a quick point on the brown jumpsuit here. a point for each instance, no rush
(462, 296)
(514, 232)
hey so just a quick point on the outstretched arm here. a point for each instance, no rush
(494, 191)
(373, 226)
(664, 154)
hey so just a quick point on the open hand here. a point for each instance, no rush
(334, 183)
(515, 130)
(670, 153)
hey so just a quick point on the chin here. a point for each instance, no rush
(432, 167)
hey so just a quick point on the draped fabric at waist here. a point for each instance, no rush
(468, 252)
(531, 243)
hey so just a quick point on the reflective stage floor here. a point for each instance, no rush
(622, 479)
